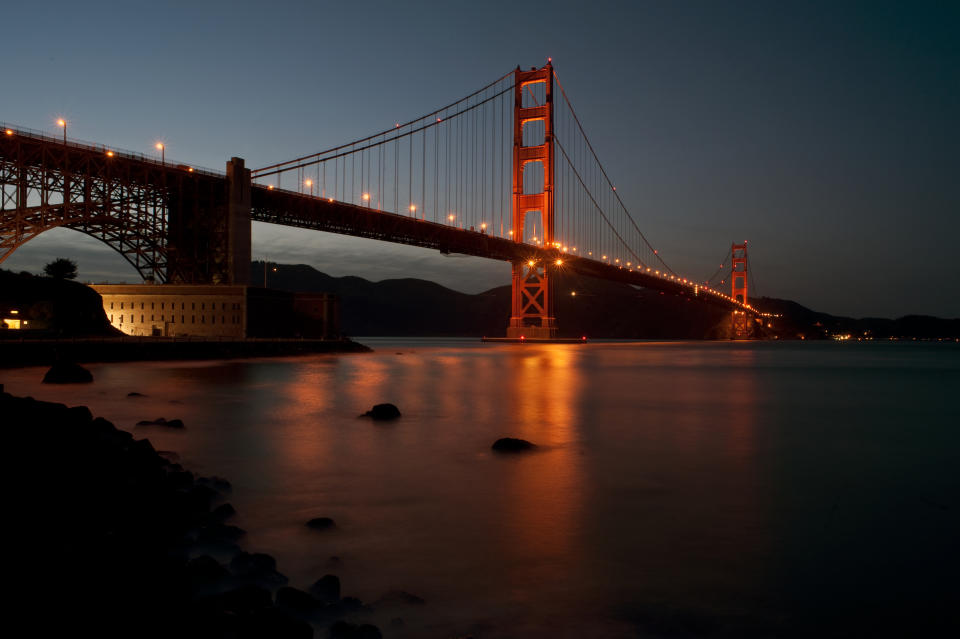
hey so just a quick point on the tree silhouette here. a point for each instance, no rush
(61, 269)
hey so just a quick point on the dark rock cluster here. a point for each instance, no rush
(110, 538)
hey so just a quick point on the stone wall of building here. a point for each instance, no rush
(172, 310)
(218, 311)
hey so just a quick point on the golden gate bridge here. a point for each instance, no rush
(505, 173)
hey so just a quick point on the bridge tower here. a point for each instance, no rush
(738, 282)
(532, 307)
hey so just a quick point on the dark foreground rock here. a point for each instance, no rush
(128, 528)
(321, 523)
(160, 421)
(327, 588)
(67, 373)
(396, 598)
(383, 412)
(512, 445)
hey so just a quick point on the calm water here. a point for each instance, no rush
(679, 489)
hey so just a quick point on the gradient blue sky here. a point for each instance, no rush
(826, 133)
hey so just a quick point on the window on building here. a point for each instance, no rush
(141, 306)
(121, 306)
(203, 306)
(151, 318)
(121, 319)
(163, 305)
(183, 319)
(141, 319)
(151, 306)
(111, 306)
(213, 319)
(193, 319)
(111, 318)
(193, 306)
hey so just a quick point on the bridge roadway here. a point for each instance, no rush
(85, 171)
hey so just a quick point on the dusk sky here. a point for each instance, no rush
(825, 133)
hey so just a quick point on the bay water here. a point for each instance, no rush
(677, 488)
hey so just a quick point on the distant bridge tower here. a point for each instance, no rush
(532, 308)
(738, 282)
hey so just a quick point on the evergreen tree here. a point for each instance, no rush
(61, 269)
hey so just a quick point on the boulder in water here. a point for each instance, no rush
(321, 523)
(512, 445)
(383, 412)
(326, 588)
(160, 421)
(67, 373)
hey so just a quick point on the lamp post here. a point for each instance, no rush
(63, 123)
(163, 155)
(309, 184)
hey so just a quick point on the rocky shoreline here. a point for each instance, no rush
(114, 538)
(43, 352)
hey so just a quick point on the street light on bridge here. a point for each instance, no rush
(309, 184)
(163, 152)
(63, 123)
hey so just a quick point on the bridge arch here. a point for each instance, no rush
(139, 250)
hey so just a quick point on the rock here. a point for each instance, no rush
(217, 532)
(345, 630)
(275, 623)
(245, 599)
(352, 604)
(327, 588)
(297, 600)
(67, 373)
(219, 484)
(511, 445)
(383, 412)
(223, 512)
(257, 568)
(321, 523)
(205, 571)
(160, 421)
(398, 598)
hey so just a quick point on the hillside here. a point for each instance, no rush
(599, 309)
(53, 307)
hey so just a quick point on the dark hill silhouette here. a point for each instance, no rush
(600, 309)
(412, 307)
(54, 307)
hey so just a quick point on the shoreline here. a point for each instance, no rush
(145, 542)
(85, 350)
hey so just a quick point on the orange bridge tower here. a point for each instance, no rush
(738, 282)
(532, 307)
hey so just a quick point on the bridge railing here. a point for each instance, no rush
(6, 128)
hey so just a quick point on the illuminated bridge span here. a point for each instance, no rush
(505, 173)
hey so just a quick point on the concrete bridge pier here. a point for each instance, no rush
(239, 184)
(208, 233)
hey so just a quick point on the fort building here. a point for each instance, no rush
(218, 311)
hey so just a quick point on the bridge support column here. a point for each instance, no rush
(741, 327)
(238, 222)
(532, 307)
